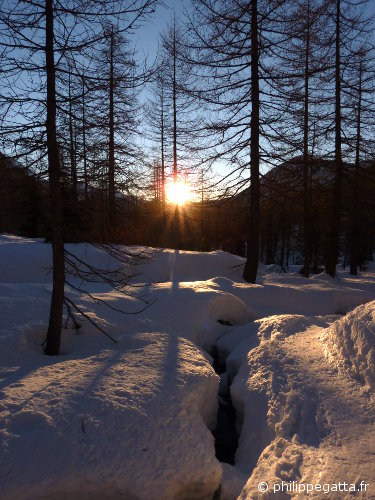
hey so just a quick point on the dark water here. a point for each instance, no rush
(225, 434)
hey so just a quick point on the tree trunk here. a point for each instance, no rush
(334, 238)
(57, 301)
(202, 211)
(176, 222)
(306, 191)
(174, 108)
(73, 166)
(111, 146)
(84, 138)
(251, 266)
(283, 236)
(354, 250)
(287, 250)
(162, 147)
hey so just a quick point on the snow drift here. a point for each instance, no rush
(352, 343)
(132, 420)
(300, 419)
(129, 422)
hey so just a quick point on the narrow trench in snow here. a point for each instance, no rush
(225, 434)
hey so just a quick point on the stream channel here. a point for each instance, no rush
(225, 434)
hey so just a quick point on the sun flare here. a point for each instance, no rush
(178, 193)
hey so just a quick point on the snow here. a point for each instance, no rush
(302, 420)
(351, 343)
(133, 419)
(111, 424)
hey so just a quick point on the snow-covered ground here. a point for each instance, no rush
(133, 420)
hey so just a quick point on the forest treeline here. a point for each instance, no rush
(208, 225)
(265, 107)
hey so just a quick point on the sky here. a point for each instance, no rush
(147, 40)
(147, 37)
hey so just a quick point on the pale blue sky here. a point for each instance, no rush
(147, 37)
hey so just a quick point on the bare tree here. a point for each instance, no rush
(232, 45)
(251, 266)
(36, 39)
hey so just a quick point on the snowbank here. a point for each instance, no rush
(299, 419)
(280, 461)
(128, 422)
(132, 420)
(351, 342)
(246, 334)
(180, 265)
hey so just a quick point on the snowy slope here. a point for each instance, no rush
(111, 424)
(133, 419)
(351, 343)
(301, 418)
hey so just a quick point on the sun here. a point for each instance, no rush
(178, 193)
